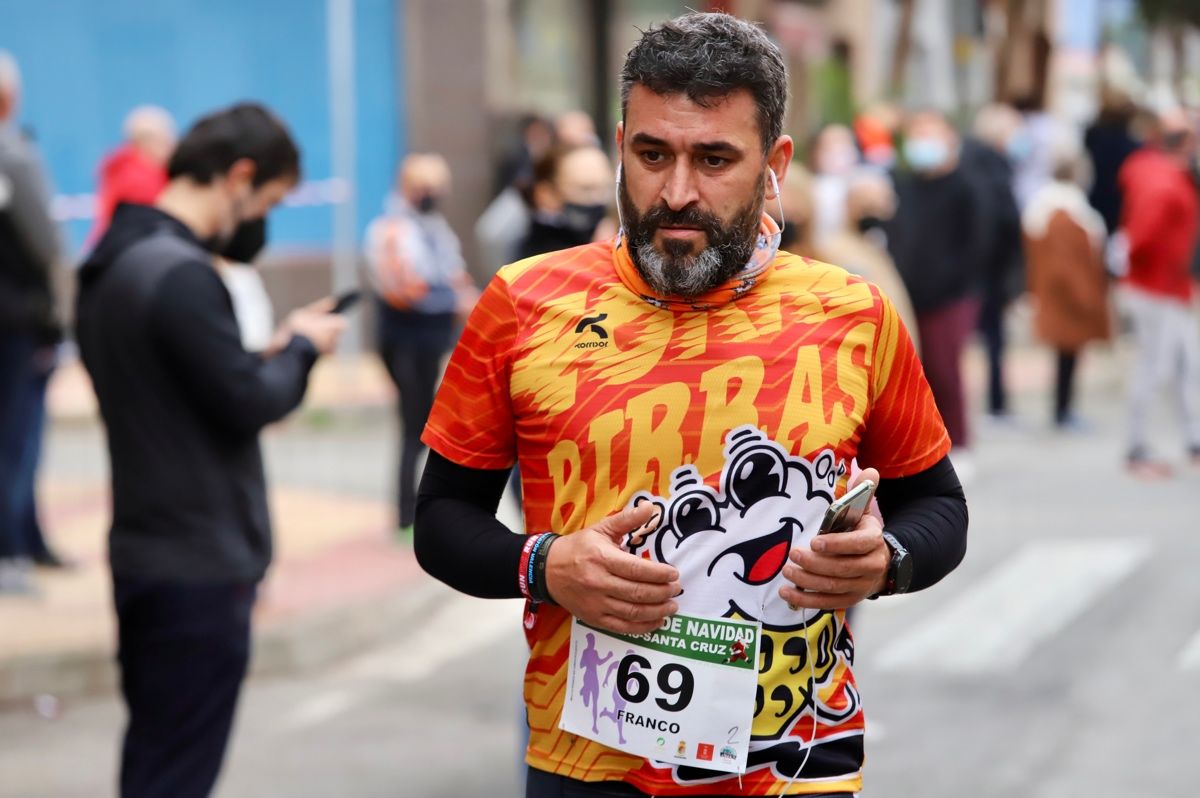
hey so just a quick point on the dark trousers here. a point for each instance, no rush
(412, 346)
(944, 334)
(991, 327)
(539, 784)
(30, 540)
(17, 414)
(1064, 386)
(183, 651)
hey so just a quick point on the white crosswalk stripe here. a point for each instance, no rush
(998, 622)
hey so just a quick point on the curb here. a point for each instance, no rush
(281, 648)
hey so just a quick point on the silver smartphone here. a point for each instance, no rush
(845, 513)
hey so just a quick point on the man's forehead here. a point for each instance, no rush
(681, 122)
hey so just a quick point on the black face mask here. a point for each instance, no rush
(868, 223)
(583, 219)
(247, 241)
(428, 203)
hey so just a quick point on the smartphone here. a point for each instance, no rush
(845, 513)
(346, 300)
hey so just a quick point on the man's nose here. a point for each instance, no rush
(680, 189)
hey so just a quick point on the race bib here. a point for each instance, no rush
(681, 695)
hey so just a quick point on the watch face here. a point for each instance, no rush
(900, 569)
(902, 564)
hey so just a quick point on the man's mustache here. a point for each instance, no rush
(691, 216)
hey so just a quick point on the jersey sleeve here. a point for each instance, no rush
(472, 421)
(904, 433)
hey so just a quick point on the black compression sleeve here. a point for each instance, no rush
(457, 537)
(927, 512)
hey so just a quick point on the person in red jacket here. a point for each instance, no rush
(1160, 217)
(135, 172)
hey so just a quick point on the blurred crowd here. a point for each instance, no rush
(957, 220)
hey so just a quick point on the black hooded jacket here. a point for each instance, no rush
(182, 402)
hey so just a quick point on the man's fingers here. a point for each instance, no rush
(847, 567)
(819, 583)
(617, 526)
(867, 473)
(644, 592)
(802, 599)
(863, 540)
(623, 616)
(637, 569)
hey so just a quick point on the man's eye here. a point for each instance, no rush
(652, 156)
(714, 161)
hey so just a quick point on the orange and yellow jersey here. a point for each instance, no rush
(741, 421)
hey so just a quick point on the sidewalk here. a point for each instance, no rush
(339, 580)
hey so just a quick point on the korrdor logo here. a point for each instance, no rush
(592, 324)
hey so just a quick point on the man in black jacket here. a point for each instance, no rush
(183, 404)
(29, 249)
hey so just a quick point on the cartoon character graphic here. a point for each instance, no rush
(730, 545)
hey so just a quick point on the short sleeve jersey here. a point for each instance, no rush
(741, 421)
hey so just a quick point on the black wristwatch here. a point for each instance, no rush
(900, 568)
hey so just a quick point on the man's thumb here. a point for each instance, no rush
(617, 526)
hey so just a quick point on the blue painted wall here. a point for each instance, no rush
(85, 64)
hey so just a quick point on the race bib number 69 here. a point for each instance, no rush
(683, 694)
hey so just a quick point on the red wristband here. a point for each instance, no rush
(523, 569)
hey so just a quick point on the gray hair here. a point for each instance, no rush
(707, 56)
(10, 74)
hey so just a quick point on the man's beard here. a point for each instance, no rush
(675, 271)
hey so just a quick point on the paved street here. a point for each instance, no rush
(1062, 659)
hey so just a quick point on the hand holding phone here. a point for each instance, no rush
(845, 513)
(346, 300)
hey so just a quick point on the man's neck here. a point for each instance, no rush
(189, 204)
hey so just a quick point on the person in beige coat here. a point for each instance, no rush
(1064, 252)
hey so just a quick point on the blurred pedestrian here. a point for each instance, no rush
(875, 129)
(183, 404)
(571, 195)
(136, 171)
(1159, 218)
(937, 241)
(418, 274)
(987, 158)
(1068, 283)
(1031, 159)
(504, 223)
(575, 129)
(860, 247)
(833, 159)
(1109, 142)
(29, 332)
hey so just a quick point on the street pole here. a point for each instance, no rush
(343, 136)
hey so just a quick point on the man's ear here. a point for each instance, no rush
(242, 170)
(779, 156)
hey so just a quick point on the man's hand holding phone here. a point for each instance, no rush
(843, 567)
(317, 322)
